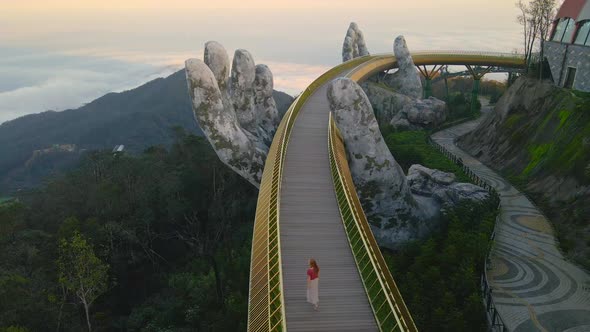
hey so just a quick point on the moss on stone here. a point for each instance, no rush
(392, 222)
(563, 117)
(370, 189)
(357, 103)
(373, 164)
(537, 155)
(512, 120)
(556, 146)
(374, 220)
(403, 219)
(367, 193)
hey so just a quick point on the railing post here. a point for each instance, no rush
(489, 298)
(494, 314)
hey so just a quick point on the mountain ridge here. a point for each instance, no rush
(137, 118)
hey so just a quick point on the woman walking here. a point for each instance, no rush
(313, 278)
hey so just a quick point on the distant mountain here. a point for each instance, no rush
(31, 147)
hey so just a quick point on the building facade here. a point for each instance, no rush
(568, 49)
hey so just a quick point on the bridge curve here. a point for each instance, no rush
(308, 207)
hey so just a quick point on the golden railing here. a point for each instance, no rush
(266, 310)
(383, 62)
(389, 309)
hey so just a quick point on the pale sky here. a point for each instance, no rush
(58, 54)
(158, 5)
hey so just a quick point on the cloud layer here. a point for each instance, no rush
(61, 55)
(33, 81)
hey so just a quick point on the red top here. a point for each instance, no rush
(311, 273)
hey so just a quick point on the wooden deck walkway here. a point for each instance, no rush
(310, 226)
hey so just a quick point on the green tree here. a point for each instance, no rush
(174, 226)
(439, 277)
(81, 272)
(12, 217)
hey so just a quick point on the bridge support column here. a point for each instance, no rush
(477, 73)
(444, 71)
(475, 94)
(427, 88)
(428, 76)
(511, 78)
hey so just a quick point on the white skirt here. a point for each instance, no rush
(313, 292)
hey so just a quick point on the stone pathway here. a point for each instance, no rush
(534, 287)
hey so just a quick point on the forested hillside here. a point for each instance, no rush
(30, 146)
(539, 138)
(165, 235)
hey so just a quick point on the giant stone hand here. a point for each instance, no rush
(354, 43)
(399, 208)
(237, 113)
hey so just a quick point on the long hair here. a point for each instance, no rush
(314, 265)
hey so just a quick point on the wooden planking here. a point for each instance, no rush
(311, 226)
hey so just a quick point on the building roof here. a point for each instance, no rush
(579, 10)
(118, 148)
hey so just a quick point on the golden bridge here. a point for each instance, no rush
(308, 207)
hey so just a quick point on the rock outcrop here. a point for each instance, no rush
(539, 135)
(420, 113)
(243, 72)
(354, 43)
(217, 60)
(397, 100)
(394, 214)
(497, 134)
(237, 114)
(402, 111)
(399, 209)
(406, 80)
(443, 187)
(264, 104)
(385, 101)
(538, 132)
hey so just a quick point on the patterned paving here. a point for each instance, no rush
(534, 287)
